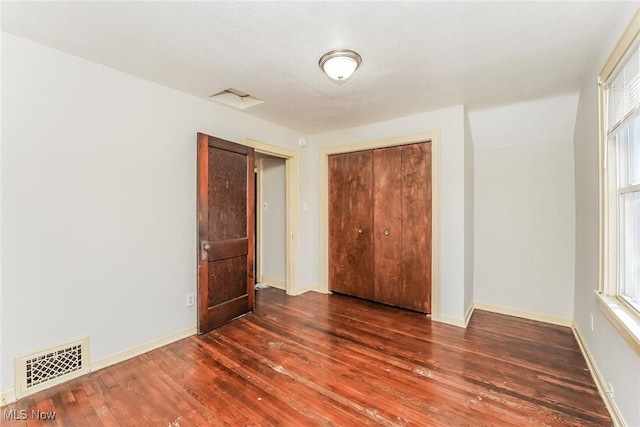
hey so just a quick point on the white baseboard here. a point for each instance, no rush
(316, 289)
(276, 283)
(139, 349)
(540, 317)
(450, 320)
(616, 416)
(461, 322)
(9, 396)
(469, 313)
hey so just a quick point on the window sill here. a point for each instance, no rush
(624, 319)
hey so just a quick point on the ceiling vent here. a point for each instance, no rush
(236, 99)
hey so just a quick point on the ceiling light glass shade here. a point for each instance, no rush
(339, 65)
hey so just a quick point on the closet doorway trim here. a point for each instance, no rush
(434, 138)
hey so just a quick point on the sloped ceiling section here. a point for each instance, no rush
(543, 121)
(417, 56)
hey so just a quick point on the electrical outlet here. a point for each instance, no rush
(591, 314)
(191, 299)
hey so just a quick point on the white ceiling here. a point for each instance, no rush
(417, 56)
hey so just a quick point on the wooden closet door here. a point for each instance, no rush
(402, 226)
(339, 271)
(350, 224)
(416, 227)
(387, 225)
(360, 255)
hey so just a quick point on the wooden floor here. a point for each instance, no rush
(334, 360)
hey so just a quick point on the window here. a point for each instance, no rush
(620, 186)
(622, 92)
(627, 145)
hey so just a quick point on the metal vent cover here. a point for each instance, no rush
(236, 98)
(37, 371)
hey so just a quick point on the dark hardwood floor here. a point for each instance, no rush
(335, 360)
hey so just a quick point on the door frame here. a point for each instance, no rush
(434, 138)
(292, 221)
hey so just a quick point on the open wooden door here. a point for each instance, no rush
(226, 201)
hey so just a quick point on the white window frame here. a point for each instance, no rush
(624, 317)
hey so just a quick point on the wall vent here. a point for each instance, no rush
(37, 371)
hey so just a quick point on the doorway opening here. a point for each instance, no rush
(271, 235)
(278, 221)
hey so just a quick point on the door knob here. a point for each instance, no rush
(204, 247)
(386, 232)
(360, 230)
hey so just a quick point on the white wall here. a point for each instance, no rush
(450, 123)
(273, 259)
(469, 213)
(98, 205)
(618, 364)
(309, 244)
(524, 206)
(1, 185)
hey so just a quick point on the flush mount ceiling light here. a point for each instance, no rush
(340, 64)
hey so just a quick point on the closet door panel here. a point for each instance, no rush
(350, 224)
(387, 229)
(360, 249)
(339, 270)
(416, 227)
